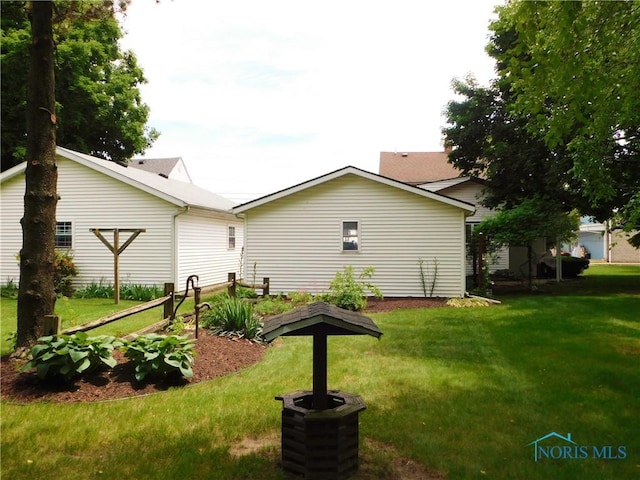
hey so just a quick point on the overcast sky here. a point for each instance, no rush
(257, 96)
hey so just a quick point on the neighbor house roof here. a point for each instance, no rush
(360, 173)
(179, 193)
(441, 185)
(417, 167)
(159, 166)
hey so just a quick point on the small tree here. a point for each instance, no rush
(526, 222)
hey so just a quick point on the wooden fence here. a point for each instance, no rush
(52, 323)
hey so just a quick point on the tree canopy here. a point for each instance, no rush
(562, 119)
(98, 102)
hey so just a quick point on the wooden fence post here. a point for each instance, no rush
(231, 289)
(51, 325)
(265, 290)
(169, 289)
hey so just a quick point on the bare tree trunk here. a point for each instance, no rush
(36, 294)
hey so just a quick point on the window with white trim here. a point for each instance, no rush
(232, 237)
(64, 235)
(350, 235)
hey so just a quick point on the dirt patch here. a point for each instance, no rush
(215, 356)
(374, 305)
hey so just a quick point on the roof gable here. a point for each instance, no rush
(179, 193)
(165, 167)
(357, 172)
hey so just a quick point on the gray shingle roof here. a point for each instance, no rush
(319, 317)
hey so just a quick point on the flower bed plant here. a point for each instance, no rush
(161, 355)
(67, 356)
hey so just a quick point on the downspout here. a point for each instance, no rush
(174, 254)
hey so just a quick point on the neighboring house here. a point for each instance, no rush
(605, 244)
(188, 230)
(301, 236)
(172, 168)
(432, 171)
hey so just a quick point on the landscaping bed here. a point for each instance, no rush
(215, 356)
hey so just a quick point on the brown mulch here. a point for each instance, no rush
(215, 356)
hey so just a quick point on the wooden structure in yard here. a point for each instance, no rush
(320, 427)
(117, 249)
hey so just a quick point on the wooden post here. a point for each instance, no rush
(116, 266)
(51, 325)
(169, 289)
(231, 289)
(116, 249)
(265, 290)
(320, 371)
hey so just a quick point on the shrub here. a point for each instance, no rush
(161, 355)
(66, 356)
(64, 271)
(245, 292)
(347, 292)
(272, 306)
(300, 297)
(129, 291)
(232, 316)
(10, 290)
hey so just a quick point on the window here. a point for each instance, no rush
(63, 235)
(350, 236)
(232, 237)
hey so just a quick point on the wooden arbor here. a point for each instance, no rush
(117, 249)
(320, 428)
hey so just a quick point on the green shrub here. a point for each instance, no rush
(232, 316)
(161, 355)
(128, 291)
(272, 306)
(347, 292)
(64, 271)
(10, 290)
(245, 292)
(300, 297)
(66, 356)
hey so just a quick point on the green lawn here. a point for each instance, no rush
(461, 391)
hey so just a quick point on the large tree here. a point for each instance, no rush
(100, 110)
(574, 76)
(36, 296)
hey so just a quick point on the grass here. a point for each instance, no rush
(76, 311)
(462, 391)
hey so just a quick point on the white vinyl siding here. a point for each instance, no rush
(12, 206)
(401, 227)
(202, 248)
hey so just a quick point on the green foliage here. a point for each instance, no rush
(272, 306)
(99, 105)
(161, 355)
(66, 356)
(245, 292)
(64, 271)
(232, 316)
(300, 297)
(129, 291)
(9, 290)
(345, 291)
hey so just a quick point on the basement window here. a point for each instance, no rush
(64, 235)
(350, 235)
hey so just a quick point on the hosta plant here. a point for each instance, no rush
(66, 356)
(157, 355)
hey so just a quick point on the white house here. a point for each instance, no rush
(301, 236)
(188, 230)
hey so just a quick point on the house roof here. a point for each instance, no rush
(417, 167)
(441, 185)
(360, 173)
(159, 166)
(319, 317)
(182, 194)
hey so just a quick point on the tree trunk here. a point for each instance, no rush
(36, 294)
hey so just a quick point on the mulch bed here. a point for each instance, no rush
(215, 356)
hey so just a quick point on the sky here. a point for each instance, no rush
(259, 96)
